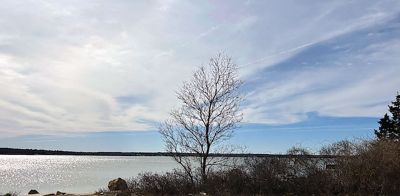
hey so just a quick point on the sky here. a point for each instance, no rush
(102, 75)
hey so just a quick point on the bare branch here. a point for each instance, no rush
(208, 114)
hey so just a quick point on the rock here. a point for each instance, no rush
(117, 185)
(51, 194)
(60, 193)
(33, 191)
(123, 193)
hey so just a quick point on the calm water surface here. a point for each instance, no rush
(74, 174)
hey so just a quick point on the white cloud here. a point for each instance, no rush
(65, 65)
(359, 84)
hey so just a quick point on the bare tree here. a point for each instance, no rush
(207, 117)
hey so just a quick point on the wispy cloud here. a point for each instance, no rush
(350, 75)
(113, 66)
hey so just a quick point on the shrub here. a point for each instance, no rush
(363, 168)
(374, 169)
(171, 183)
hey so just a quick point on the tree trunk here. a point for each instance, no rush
(204, 169)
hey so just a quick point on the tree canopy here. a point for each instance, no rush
(207, 117)
(389, 128)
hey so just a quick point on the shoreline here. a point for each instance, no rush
(18, 151)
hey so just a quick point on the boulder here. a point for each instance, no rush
(123, 193)
(60, 193)
(33, 191)
(117, 185)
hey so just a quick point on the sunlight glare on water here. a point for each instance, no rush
(73, 174)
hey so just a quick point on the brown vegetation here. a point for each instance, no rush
(369, 167)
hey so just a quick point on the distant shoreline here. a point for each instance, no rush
(17, 151)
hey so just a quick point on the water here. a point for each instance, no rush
(72, 174)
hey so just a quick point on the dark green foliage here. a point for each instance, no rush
(390, 126)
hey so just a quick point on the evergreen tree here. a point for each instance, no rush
(389, 127)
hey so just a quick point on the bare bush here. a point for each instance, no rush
(341, 148)
(171, 183)
(363, 168)
(374, 169)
